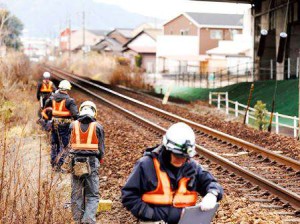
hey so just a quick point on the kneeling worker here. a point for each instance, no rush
(166, 180)
(87, 148)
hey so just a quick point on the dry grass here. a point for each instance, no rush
(29, 191)
(92, 65)
(124, 75)
(108, 69)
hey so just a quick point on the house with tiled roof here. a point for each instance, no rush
(74, 40)
(144, 45)
(187, 38)
(113, 42)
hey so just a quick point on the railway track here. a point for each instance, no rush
(284, 184)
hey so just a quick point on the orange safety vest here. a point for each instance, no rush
(84, 140)
(59, 109)
(46, 87)
(163, 194)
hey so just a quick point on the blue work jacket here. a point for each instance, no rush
(143, 179)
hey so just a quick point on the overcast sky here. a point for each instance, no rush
(168, 8)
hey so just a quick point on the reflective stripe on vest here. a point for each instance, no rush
(59, 109)
(46, 87)
(44, 112)
(163, 195)
(84, 140)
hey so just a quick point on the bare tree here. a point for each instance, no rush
(4, 17)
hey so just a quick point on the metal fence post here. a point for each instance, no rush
(277, 122)
(236, 109)
(289, 68)
(271, 69)
(297, 68)
(210, 97)
(247, 117)
(227, 103)
(228, 75)
(207, 81)
(295, 126)
(219, 101)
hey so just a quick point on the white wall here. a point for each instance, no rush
(172, 45)
(143, 41)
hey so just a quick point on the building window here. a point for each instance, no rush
(184, 32)
(216, 34)
(233, 33)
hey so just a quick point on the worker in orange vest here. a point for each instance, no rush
(166, 180)
(64, 111)
(87, 150)
(44, 89)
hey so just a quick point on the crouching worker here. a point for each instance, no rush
(87, 149)
(166, 180)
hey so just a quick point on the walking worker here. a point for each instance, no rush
(44, 89)
(64, 110)
(87, 149)
(166, 180)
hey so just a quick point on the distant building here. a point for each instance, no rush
(275, 17)
(144, 45)
(187, 38)
(37, 48)
(113, 42)
(79, 38)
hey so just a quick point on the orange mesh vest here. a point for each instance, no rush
(46, 87)
(59, 109)
(163, 194)
(84, 140)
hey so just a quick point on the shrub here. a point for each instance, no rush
(260, 115)
(138, 60)
(123, 61)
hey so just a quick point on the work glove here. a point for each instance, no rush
(190, 172)
(208, 202)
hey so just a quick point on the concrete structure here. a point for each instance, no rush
(189, 36)
(143, 44)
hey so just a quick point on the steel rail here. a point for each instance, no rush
(289, 162)
(286, 195)
(282, 193)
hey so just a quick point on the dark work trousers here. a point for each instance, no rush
(59, 136)
(86, 189)
(44, 96)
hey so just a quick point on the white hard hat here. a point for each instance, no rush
(46, 75)
(180, 139)
(87, 111)
(88, 105)
(65, 85)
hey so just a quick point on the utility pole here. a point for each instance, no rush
(248, 103)
(69, 41)
(299, 101)
(83, 33)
